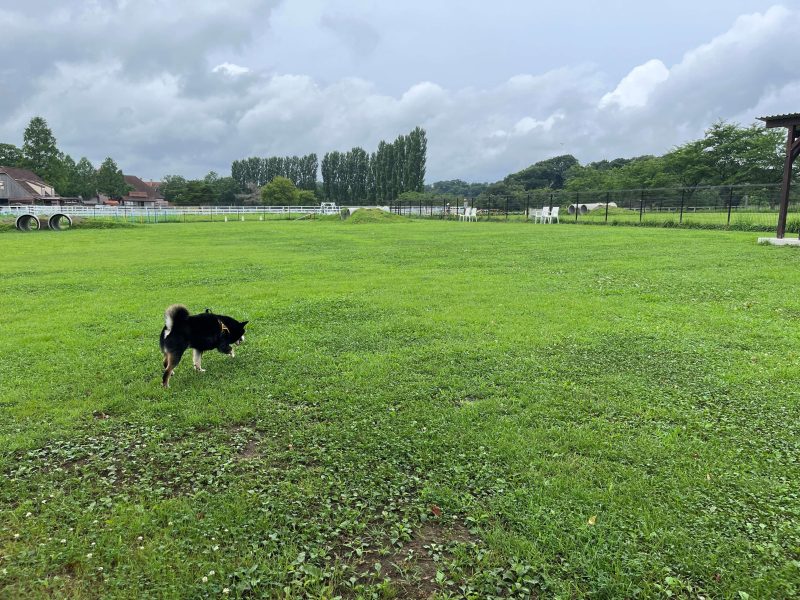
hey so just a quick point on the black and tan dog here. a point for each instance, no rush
(201, 333)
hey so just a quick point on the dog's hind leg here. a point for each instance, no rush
(172, 359)
(197, 358)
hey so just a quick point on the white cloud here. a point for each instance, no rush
(231, 69)
(165, 109)
(634, 90)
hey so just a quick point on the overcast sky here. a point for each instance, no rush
(187, 87)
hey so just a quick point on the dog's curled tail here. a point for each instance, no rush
(174, 314)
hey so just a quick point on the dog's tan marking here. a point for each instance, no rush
(222, 328)
(168, 368)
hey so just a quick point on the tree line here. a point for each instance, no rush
(380, 177)
(254, 172)
(70, 179)
(727, 154)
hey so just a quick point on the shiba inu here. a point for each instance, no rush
(202, 332)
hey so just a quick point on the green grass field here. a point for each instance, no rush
(425, 407)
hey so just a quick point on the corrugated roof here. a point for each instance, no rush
(777, 117)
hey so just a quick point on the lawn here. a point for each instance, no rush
(422, 407)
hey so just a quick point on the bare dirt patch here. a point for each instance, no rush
(250, 450)
(412, 567)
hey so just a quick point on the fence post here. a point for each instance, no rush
(577, 200)
(527, 205)
(608, 195)
(641, 206)
(443, 207)
(730, 203)
(680, 219)
(506, 208)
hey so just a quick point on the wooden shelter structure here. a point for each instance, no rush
(792, 124)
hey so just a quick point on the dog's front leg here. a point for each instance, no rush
(197, 358)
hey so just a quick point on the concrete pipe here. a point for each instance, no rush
(27, 223)
(59, 222)
(585, 208)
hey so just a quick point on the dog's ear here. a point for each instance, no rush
(245, 323)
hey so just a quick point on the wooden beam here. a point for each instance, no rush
(786, 183)
(785, 122)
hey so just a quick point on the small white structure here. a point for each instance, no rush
(329, 208)
(779, 241)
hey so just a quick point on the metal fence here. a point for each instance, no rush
(736, 206)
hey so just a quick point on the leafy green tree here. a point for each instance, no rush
(550, 173)
(67, 182)
(196, 192)
(85, 179)
(225, 190)
(371, 189)
(279, 192)
(689, 164)
(306, 198)
(10, 156)
(416, 157)
(644, 172)
(590, 178)
(172, 186)
(39, 151)
(495, 195)
(110, 180)
(457, 187)
(357, 169)
(736, 154)
(636, 173)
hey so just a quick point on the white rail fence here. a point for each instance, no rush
(167, 213)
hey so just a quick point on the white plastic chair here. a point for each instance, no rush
(535, 214)
(469, 214)
(544, 215)
(553, 214)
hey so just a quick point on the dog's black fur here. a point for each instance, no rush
(202, 332)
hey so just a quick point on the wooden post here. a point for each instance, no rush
(786, 184)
